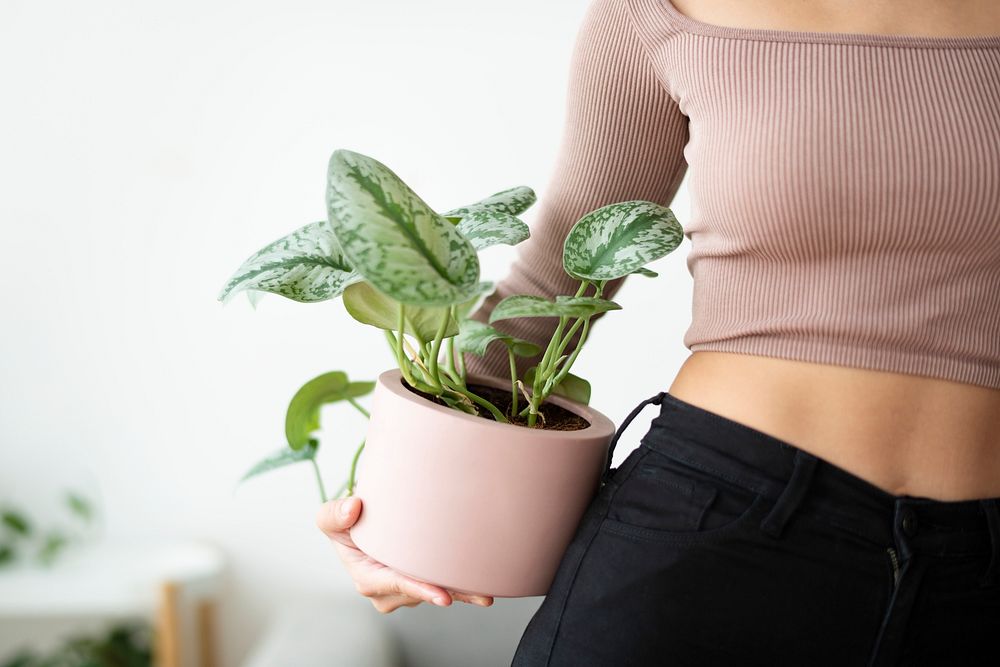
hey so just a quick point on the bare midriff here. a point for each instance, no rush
(906, 434)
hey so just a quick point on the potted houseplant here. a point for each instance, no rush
(508, 466)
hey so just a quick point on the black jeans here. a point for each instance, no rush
(714, 543)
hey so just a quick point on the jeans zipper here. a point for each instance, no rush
(895, 566)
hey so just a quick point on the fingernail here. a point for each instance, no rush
(440, 601)
(345, 507)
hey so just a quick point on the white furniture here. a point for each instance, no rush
(175, 584)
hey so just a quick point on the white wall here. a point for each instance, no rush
(146, 148)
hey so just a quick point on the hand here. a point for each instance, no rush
(387, 589)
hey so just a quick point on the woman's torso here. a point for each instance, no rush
(907, 434)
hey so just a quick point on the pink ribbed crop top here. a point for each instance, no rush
(845, 187)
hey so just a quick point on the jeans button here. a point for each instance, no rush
(909, 522)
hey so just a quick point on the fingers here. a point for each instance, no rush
(387, 589)
(481, 600)
(393, 582)
(336, 516)
(387, 596)
(389, 603)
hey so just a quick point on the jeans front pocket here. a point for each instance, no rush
(663, 499)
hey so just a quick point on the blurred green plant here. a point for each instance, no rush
(123, 645)
(19, 535)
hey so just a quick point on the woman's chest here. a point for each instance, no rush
(859, 147)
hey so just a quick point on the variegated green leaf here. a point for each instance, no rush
(369, 306)
(283, 457)
(306, 265)
(302, 417)
(393, 238)
(475, 337)
(484, 289)
(535, 306)
(490, 228)
(572, 386)
(524, 348)
(615, 240)
(592, 304)
(642, 271)
(512, 201)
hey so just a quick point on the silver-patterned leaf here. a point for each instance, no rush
(512, 201)
(306, 265)
(643, 271)
(369, 306)
(520, 305)
(592, 304)
(393, 238)
(283, 457)
(615, 240)
(475, 337)
(490, 228)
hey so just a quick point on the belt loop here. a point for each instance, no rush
(608, 470)
(791, 495)
(993, 522)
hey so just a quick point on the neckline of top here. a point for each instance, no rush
(872, 39)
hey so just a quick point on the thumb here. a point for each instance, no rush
(336, 516)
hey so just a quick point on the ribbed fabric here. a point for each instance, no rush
(845, 188)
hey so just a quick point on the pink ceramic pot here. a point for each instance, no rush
(470, 504)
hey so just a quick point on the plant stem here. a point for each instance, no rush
(561, 374)
(453, 313)
(319, 480)
(513, 381)
(461, 366)
(479, 400)
(585, 321)
(404, 363)
(569, 334)
(391, 339)
(404, 366)
(436, 350)
(455, 378)
(451, 355)
(354, 465)
(420, 341)
(359, 408)
(554, 340)
(542, 371)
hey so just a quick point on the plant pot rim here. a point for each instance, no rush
(392, 380)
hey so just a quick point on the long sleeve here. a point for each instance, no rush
(623, 139)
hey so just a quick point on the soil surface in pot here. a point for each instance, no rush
(551, 417)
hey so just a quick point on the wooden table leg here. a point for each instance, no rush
(206, 633)
(166, 642)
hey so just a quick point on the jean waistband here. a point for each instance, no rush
(765, 464)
